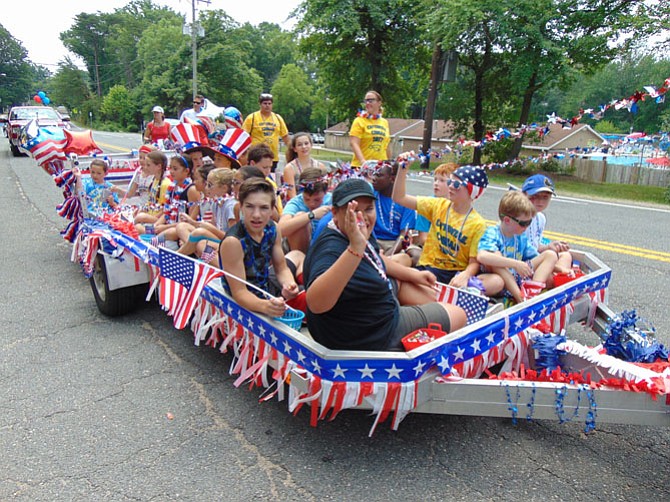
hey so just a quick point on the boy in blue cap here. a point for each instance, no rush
(540, 189)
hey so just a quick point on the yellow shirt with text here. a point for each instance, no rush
(447, 246)
(374, 135)
(266, 130)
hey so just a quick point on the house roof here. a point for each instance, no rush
(405, 128)
(557, 135)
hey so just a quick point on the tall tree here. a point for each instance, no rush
(69, 85)
(294, 97)
(359, 45)
(16, 73)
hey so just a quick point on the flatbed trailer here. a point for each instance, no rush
(447, 376)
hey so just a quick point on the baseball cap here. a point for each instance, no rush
(538, 183)
(158, 109)
(350, 189)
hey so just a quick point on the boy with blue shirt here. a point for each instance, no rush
(101, 195)
(505, 252)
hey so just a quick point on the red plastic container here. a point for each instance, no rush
(560, 279)
(423, 336)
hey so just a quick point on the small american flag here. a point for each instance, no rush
(182, 280)
(474, 305)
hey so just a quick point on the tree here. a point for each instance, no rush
(69, 85)
(117, 106)
(294, 97)
(16, 73)
(359, 45)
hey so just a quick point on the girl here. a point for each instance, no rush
(217, 216)
(369, 136)
(156, 165)
(181, 195)
(141, 181)
(249, 249)
(298, 158)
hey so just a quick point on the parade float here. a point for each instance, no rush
(516, 363)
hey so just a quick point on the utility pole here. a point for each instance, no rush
(195, 31)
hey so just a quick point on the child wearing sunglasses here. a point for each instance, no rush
(450, 250)
(509, 259)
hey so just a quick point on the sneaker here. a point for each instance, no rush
(494, 309)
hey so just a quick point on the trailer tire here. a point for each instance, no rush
(15, 150)
(117, 302)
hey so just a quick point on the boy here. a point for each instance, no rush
(539, 189)
(451, 247)
(100, 195)
(261, 156)
(506, 253)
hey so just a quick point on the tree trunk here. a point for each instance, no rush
(528, 94)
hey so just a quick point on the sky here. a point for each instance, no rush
(38, 27)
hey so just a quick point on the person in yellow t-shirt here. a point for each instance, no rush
(267, 127)
(450, 251)
(369, 136)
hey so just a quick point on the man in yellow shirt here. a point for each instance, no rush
(267, 127)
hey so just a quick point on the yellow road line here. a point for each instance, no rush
(578, 241)
(113, 147)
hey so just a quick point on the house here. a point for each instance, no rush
(406, 135)
(559, 139)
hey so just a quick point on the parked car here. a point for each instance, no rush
(19, 116)
(318, 139)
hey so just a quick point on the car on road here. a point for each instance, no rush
(19, 116)
(318, 139)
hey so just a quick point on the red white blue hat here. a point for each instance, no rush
(185, 136)
(475, 178)
(233, 145)
(233, 117)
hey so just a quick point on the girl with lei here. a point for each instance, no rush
(354, 293)
(450, 251)
(155, 165)
(251, 247)
(369, 135)
(181, 197)
(298, 158)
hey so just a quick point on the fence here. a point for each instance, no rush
(601, 171)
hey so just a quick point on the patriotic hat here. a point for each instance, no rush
(185, 136)
(233, 145)
(233, 117)
(475, 178)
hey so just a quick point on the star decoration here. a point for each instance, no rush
(287, 348)
(300, 356)
(475, 345)
(367, 371)
(339, 372)
(273, 339)
(418, 369)
(458, 354)
(316, 366)
(393, 372)
(443, 364)
(491, 337)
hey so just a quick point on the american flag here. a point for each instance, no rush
(182, 280)
(474, 305)
(44, 149)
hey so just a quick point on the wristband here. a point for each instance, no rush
(357, 255)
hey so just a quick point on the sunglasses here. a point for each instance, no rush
(197, 102)
(521, 223)
(370, 100)
(456, 184)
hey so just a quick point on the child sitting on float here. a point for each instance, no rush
(251, 247)
(354, 293)
(155, 165)
(450, 250)
(540, 189)
(101, 195)
(216, 216)
(302, 213)
(140, 184)
(242, 174)
(508, 258)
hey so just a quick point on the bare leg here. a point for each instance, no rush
(414, 294)
(457, 316)
(510, 283)
(544, 265)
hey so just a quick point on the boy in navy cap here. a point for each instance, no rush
(540, 189)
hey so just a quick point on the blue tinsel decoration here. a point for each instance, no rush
(630, 342)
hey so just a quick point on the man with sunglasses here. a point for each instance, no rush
(510, 260)
(267, 127)
(192, 113)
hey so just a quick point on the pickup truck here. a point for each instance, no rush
(19, 116)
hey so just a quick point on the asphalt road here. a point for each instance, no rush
(128, 409)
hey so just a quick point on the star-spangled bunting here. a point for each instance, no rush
(182, 281)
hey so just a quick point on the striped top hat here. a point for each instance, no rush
(186, 136)
(233, 145)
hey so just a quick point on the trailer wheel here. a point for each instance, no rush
(15, 149)
(119, 301)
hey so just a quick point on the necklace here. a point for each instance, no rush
(380, 211)
(365, 115)
(299, 166)
(457, 237)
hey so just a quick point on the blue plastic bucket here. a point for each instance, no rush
(292, 318)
